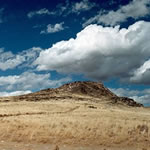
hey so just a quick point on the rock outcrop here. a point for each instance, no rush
(95, 89)
(130, 102)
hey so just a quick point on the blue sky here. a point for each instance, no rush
(47, 43)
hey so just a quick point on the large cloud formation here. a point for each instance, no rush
(102, 53)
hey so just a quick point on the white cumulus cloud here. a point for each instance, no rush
(100, 52)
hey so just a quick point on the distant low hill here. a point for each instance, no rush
(79, 91)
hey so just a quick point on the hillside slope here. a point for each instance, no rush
(79, 90)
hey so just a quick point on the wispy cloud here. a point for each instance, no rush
(81, 6)
(42, 11)
(8, 60)
(28, 81)
(65, 9)
(76, 7)
(135, 10)
(53, 28)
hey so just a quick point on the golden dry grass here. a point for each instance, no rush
(75, 123)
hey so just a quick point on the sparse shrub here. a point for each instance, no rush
(93, 107)
(143, 129)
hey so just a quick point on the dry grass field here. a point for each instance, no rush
(75, 123)
(76, 116)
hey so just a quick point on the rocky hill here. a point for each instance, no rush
(94, 89)
(79, 90)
